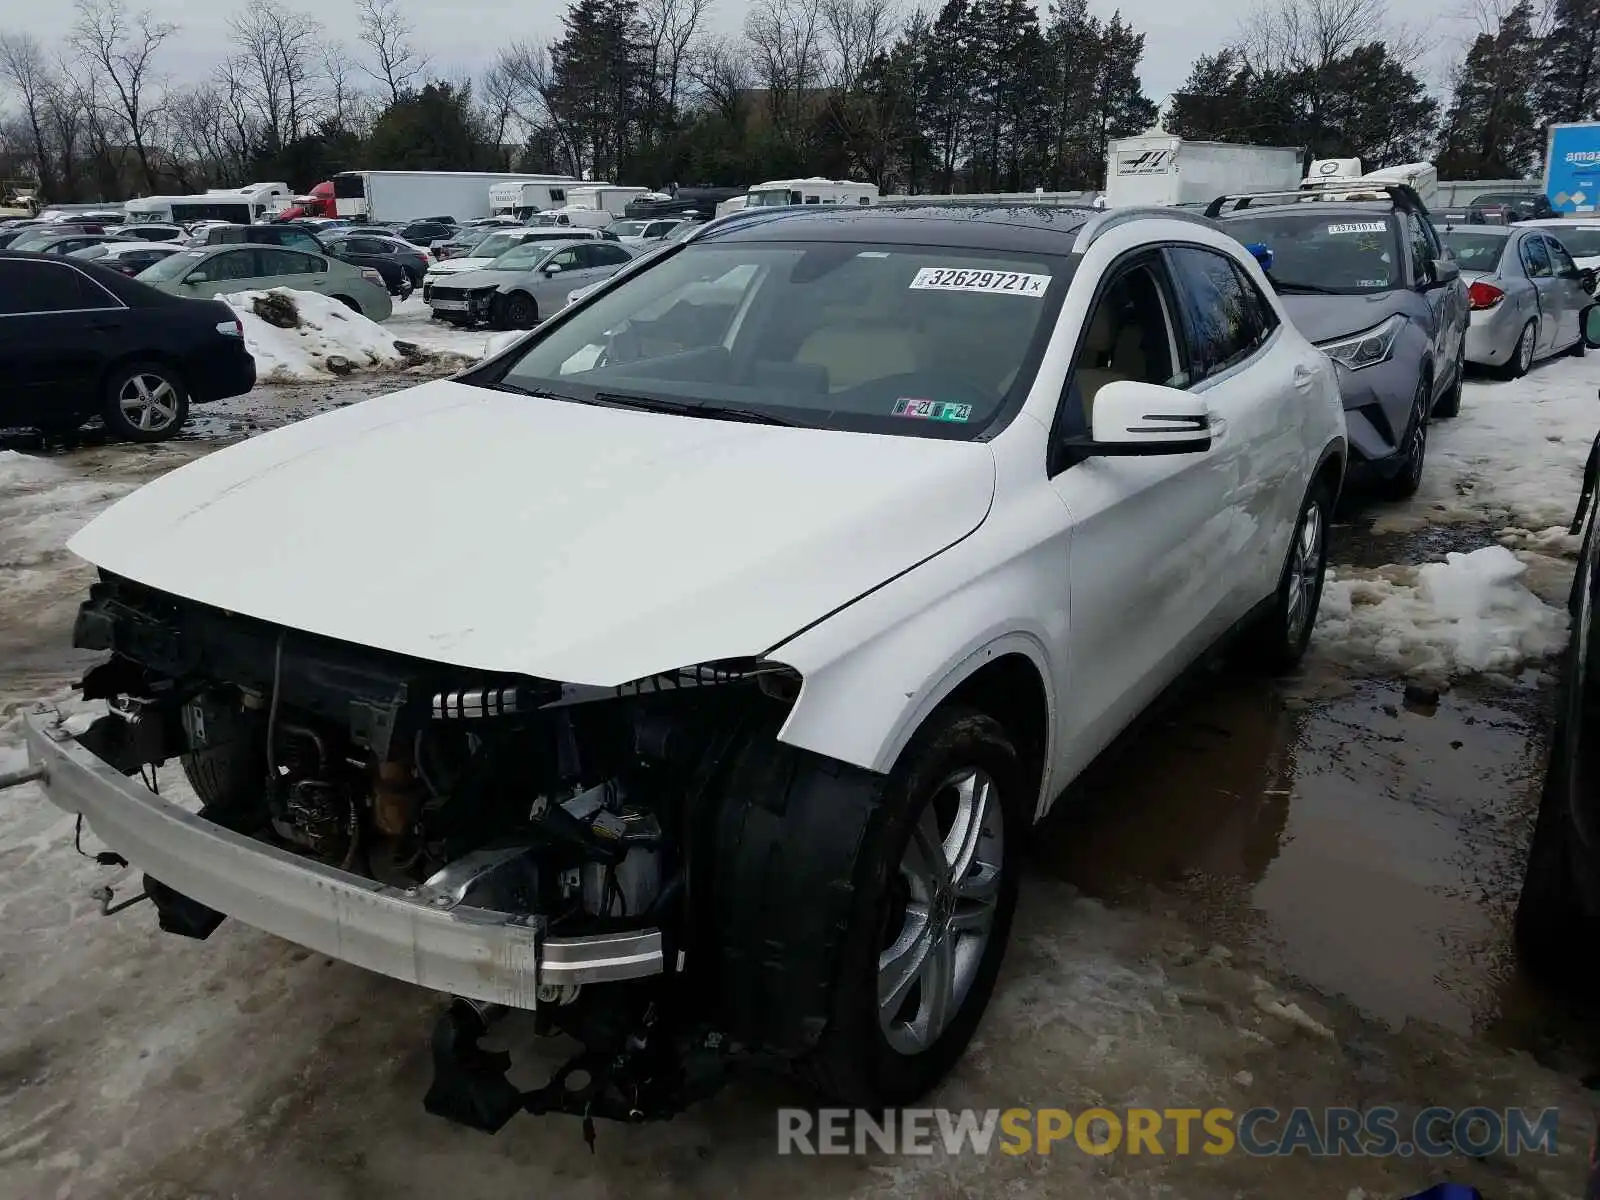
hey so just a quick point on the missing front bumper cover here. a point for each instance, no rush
(410, 934)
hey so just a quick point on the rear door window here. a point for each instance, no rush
(288, 262)
(1561, 260)
(1224, 323)
(28, 288)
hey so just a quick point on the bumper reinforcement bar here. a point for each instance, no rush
(422, 937)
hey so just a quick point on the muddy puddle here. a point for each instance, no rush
(1371, 844)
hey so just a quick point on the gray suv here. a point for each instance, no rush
(1370, 283)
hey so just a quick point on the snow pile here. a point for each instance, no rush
(300, 337)
(1470, 614)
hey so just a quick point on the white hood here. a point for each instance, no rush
(508, 533)
(454, 266)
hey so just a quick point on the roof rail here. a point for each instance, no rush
(1405, 196)
(1107, 219)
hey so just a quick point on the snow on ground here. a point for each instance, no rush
(413, 322)
(1471, 613)
(1516, 452)
(299, 337)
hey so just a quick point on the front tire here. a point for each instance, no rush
(1555, 930)
(520, 311)
(1279, 642)
(861, 920)
(1449, 404)
(145, 402)
(1408, 479)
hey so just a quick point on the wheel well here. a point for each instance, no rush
(155, 359)
(1011, 691)
(348, 302)
(1331, 474)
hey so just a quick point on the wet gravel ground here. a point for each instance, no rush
(1323, 842)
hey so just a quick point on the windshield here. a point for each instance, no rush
(524, 257)
(909, 340)
(1580, 243)
(1322, 253)
(495, 245)
(1475, 251)
(171, 267)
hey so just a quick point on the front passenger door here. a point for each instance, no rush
(1536, 263)
(1139, 583)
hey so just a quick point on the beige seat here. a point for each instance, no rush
(1109, 354)
(858, 353)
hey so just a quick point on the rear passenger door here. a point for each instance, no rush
(1255, 385)
(57, 328)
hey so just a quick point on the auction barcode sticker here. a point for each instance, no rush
(1363, 227)
(955, 279)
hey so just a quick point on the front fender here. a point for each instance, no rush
(873, 671)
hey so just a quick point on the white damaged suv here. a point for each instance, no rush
(691, 672)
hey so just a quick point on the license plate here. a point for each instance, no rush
(450, 305)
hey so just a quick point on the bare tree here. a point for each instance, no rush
(786, 44)
(347, 106)
(121, 48)
(277, 63)
(528, 73)
(503, 99)
(671, 26)
(854, 33)
(23, 66)
(721, 72)
(65, 112)
(396, 61)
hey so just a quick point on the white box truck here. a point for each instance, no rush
(413, 195)
(522, 200)
(1159, 168)
(604, 197)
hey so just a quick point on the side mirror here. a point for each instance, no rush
(1444, 270)
(553, 269)
(1132, 419)
(1591, 327)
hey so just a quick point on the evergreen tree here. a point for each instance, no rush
(431, 130)
(1490, 130)
(1570, 83)
(598, 93)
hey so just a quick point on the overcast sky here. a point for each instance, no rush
(462, 34)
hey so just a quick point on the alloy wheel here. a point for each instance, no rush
(1525, 350)
(1305, 572)
(149, 402)
(947, 890)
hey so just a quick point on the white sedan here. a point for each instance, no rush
(722, 638)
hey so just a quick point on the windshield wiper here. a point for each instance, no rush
(1309, 288)
(684, 408)
(538, 393)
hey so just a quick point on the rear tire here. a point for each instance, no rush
(1521, 359)
(1577, 349)
(818, 904)
(1279, 641)
(145, 402)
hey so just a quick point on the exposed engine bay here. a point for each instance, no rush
(574, 805)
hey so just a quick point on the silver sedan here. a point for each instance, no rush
(1526, 294)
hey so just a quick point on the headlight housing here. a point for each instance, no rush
(1365, 349)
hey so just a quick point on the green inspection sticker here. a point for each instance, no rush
(931, 410)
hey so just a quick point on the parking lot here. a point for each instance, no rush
(1275, 894)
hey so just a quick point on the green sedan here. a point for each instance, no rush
(218, 270)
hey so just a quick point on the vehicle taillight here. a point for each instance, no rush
(1484, 295)
(371, 276)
